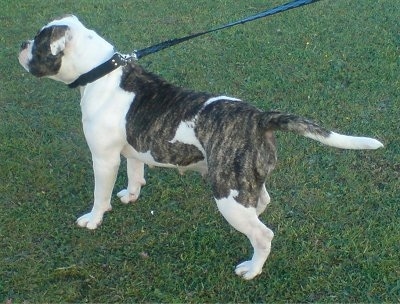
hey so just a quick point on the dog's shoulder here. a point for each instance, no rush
(136, 79)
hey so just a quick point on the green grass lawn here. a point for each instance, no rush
(335, 213)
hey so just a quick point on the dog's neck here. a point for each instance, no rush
(101, 70)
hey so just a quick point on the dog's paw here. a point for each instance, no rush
(247, 270)
(127, 197)
(90, 220)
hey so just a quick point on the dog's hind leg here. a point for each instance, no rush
(135, 170)
(263, 200)
(245, 220)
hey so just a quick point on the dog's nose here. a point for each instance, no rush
(24, 45)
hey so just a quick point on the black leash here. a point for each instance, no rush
(120, 60)
(137, 54)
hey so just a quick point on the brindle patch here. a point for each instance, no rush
(239, 153)
(44, 63)
(289, 122)
(156, 113)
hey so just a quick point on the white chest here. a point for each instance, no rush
(104, 107)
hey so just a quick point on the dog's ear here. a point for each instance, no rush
(60, 36)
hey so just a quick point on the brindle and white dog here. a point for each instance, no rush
(135, 113)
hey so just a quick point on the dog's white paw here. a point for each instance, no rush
(127, 197)
(247, 270)
(90, 220)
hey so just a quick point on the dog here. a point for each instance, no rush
(131, 112)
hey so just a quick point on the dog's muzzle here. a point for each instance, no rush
(23, 57)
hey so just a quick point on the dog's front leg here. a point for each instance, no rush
(105, 173)
(135, 170)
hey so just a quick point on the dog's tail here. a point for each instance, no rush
(272, 121)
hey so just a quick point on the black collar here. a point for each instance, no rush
(103, 69)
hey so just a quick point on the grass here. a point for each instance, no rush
(335, 213)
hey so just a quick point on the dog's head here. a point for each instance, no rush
(63, 50)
